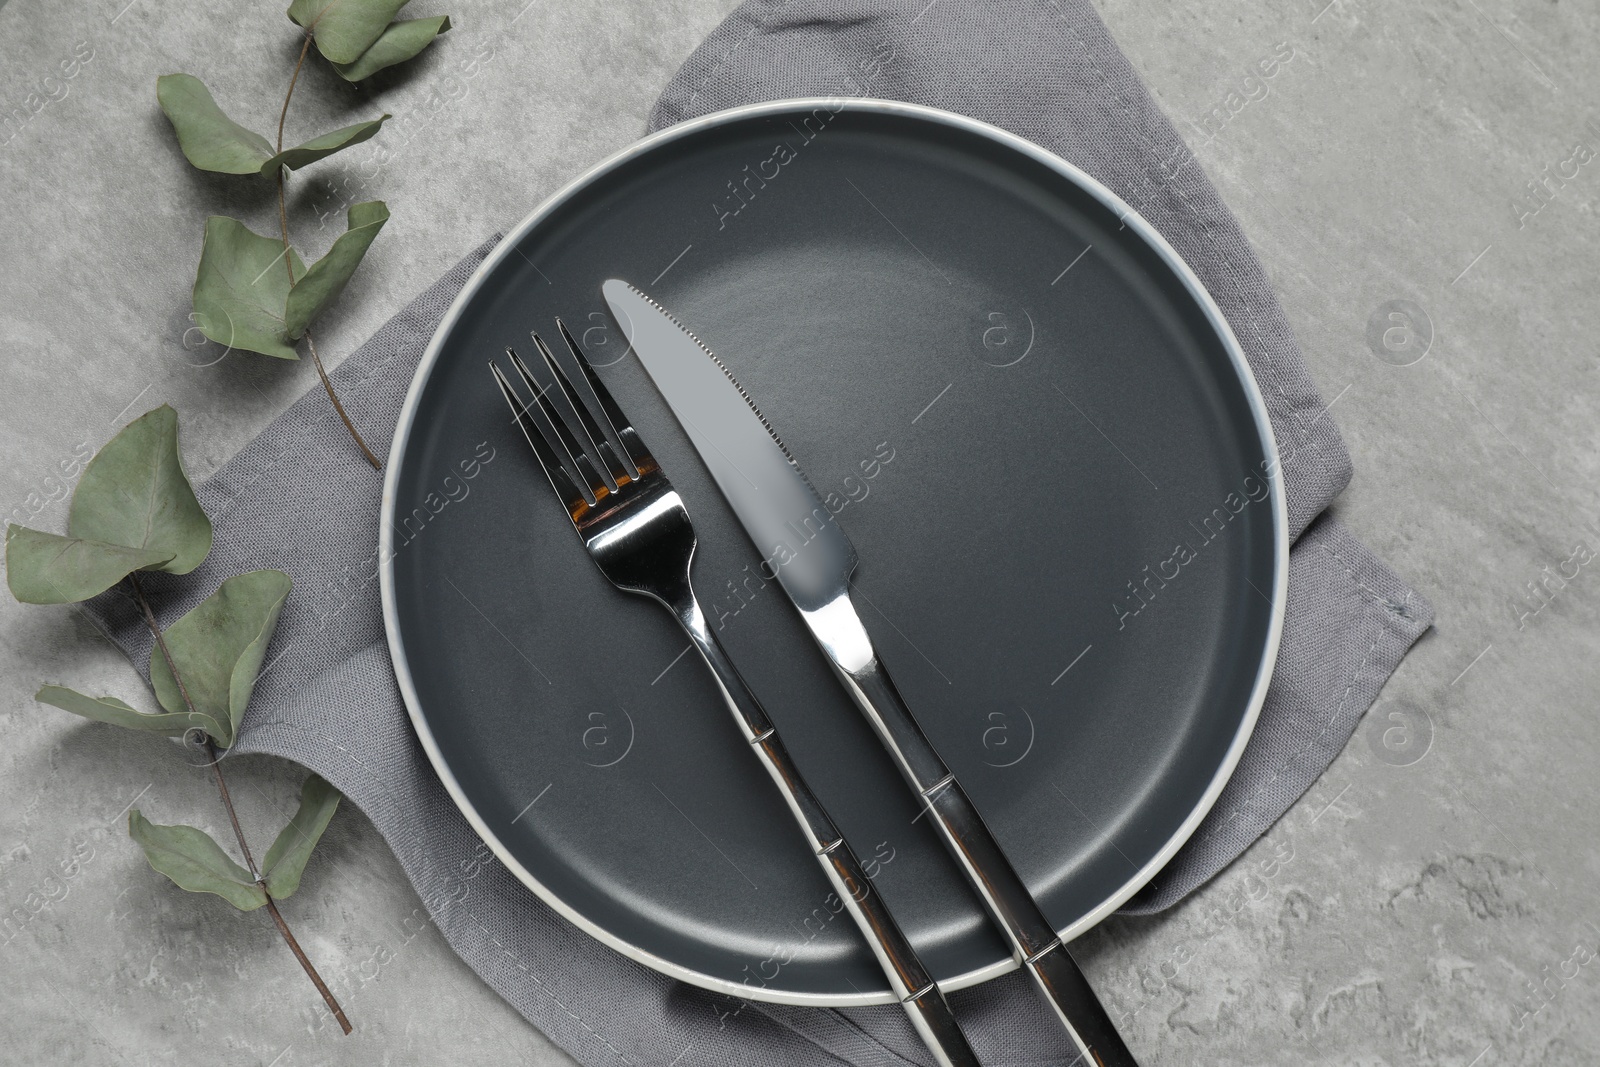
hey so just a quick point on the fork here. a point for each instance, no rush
(637, 531)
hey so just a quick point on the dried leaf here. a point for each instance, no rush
(113, 711)
(189, 856)
(212, 141)
(344, 29)
(324, 146)
(218, 648)
(46, 568)
(209, 139)
(241, 288)
(287, 857)
(322, 284)
(399, 42)
(134, 492)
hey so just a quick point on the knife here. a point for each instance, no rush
(812, 559)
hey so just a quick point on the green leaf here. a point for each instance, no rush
(218, 648)
(212, 141)
(287, 857)
(46, 568)
(242, 295)
(326, 279)
(133, 509)
(344, 28)
(195, 862)
(241, 287)
(209, 139)
(324, 146)
(115, 712)
(400, 42)
(134, 492)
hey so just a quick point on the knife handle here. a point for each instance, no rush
(912, 984)
(1033, 940)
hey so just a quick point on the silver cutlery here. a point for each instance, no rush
(812, 559)
(637, 531)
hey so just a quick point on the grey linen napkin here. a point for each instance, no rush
(327, 699)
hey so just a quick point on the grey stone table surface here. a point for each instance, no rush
(1421, 181)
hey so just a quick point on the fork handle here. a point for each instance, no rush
(1033, 939)
(911, 982)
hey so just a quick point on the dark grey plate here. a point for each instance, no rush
(1070, 557)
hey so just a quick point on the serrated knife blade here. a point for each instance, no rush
(812, 560)
(790, 525)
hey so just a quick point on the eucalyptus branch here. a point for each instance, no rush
(134, 509)
(241, 298)
(210, 746)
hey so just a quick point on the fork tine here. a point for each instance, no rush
(596, 485)
(593, 435)
(544, 417)
(560, 481)
(633, 446)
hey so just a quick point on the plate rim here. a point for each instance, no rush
(1130, 218)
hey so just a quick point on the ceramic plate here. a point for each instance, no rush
(1053, 463)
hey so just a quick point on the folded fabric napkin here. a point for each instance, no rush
(1045, 70)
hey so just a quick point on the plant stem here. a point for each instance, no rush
(328, 385)
(283, 113)
(227, 802)
(311, 972)
(295, 77)
(283, 229)
(161, 642)
(233, 815)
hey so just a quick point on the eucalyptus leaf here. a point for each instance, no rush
(113, 711)
(400, 42)
(218, 648)
(343, 29)
(46, 568)
(324, 146)
(134, 492)
(322, 284)
(287, 857)
(189, 856)
(209, 139)
(241, 287)
(212, 141)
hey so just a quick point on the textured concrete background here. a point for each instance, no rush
(1430, 901)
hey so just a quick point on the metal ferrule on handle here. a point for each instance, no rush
(911, 982)
(1033, 940)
